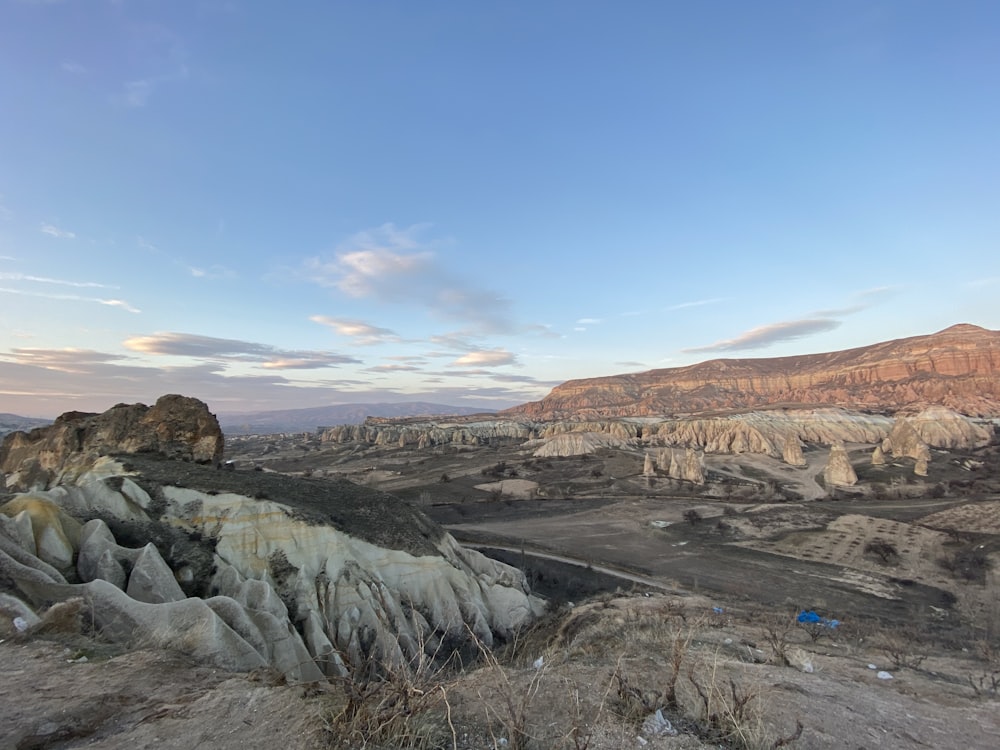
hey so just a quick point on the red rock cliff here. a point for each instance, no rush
(958, 367)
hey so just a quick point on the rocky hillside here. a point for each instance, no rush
(240, 569)
(958, 367)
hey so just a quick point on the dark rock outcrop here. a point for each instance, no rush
(177, 427)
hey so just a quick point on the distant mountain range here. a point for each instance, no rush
(14, 422)
(309, 420)
(958, 367)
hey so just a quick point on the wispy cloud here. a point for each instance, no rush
(119, 303)
(989, 281)
(363, 334)
(393, 266)
(394, 368)
(70, 298)
(10, 276)
(819, 321)
(53, 231)
(764, 336)
(589, 321)
(696, 303)
(487, 358)
(70, 360)
(73, 67)
(5, 213)
(214, 271)
(861, 301)
(630, 364)
(208, 347)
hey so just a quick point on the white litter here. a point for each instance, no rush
(883, 675)
(872, 666)
(658, 725)
(539, 662)
(20, 624)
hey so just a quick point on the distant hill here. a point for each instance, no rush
(14, 422)
(309, 420)
(958, 367)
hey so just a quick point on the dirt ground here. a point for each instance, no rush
(717, 574)
(72, 693)
(585, 678)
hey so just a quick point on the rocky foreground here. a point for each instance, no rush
(242, 570)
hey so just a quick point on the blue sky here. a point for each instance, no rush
(279, 205)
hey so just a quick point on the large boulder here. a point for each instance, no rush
(176, 427)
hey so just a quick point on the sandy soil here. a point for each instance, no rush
(49, 698)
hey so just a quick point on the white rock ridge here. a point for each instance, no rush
(352, 601)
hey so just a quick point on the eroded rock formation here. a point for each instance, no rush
(175, 427)
(311, 577)
(576, 444)
(838, 471)
(426, 433)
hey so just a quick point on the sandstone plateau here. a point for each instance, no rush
(958, 368)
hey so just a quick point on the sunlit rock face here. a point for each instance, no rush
(175, 427)
(958, 368)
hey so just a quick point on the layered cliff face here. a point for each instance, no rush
(958, 368)
(175, 427)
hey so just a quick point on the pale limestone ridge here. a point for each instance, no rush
(940, 427)
(352, 600)
(577, 444)
(145, 605)
(838, 471)
(770, 432)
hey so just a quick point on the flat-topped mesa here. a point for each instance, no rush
(177, 427)
(958, 368)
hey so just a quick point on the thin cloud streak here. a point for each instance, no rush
(9, 276)
(234, 350)
(696, 303)
(71, 298)
(764, 336)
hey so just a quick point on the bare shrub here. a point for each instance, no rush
(506, 706)
(777, 629)
(969, 564)
(730, 713)
(692, 516)
(400, 708)
(882, 549)
(903, 646)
